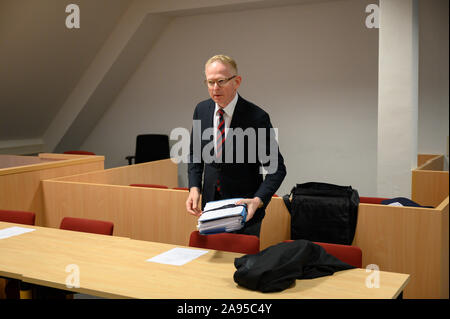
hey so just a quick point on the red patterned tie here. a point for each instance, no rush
(220, 134)
(220, 140)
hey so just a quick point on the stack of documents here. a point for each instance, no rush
(222, 216)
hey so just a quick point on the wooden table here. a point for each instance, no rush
(117, 267)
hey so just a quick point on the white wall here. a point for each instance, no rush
(398, 90)
(433, 77)
(312, 67)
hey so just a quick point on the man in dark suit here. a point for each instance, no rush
(230, 140)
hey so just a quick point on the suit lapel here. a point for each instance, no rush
(238, 109)
(208, 119)
(210, 113)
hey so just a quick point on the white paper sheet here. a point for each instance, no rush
(395, 204)
(14, 231)
(219, 203)
(177, 256)
(220, 213)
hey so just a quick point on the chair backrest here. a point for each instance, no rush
(371, 200)
(79, 152)
(351, 255)
(17, 217)
(149, 185)
(237, 243)
(181, 188)
(151, 147)
(87, 225)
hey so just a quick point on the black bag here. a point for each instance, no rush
(323, 212)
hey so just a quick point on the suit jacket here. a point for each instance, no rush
(277, 267)
(241, 177)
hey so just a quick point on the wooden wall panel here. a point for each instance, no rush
(139, 213)
(276, 225)
(21, 189)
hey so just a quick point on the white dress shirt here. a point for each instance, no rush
(227, 116)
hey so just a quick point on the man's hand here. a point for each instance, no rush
(252, 205)
(193, 201)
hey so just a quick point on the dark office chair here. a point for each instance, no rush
(79, 152)
(351, 255)
(15, 289)
(236, 243)
(150, 147)
(87, 225)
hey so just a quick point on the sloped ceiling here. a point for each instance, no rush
(55, 82)
(41, 60)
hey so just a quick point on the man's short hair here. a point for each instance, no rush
(224, 59)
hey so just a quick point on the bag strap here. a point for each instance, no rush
(287, 202)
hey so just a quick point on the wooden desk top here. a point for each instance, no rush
(14, 164)
(7, 161)
(116, 267)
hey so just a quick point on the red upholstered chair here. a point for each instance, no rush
(149, 185)
(17, 217)
(371, 200)
(181, 188)
(79, 152)
(14, 289)
(351, 255)
(87, 225)
(236, 243)
(81, 225)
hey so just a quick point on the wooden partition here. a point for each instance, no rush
(423, 158)
(408, 240)
(430, 183)
(141, 213)
(412, 240)
(21, 176)
(137, 212)
(163, 172)
(276, 225)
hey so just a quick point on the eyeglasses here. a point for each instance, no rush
(220, 82)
